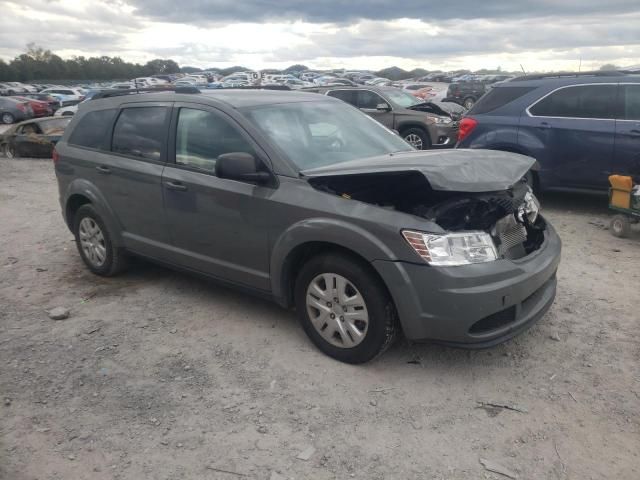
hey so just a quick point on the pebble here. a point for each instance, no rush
(555, 336)
(306, 454)
(71, 457)
(173, 330)
(59, 313)
(7, 402)
(262, 429)
(373, 403)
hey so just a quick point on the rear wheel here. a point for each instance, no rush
(344, 308)
(620, 226)
(95, 245)
(8, 151)
(417, 138)
(7, 118)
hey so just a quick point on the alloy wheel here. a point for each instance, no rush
(7, 118)
(92, 242)
(337, 310)
(414, 140)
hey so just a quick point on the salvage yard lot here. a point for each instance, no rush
(157, 374)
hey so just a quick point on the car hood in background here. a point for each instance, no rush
(466, 170)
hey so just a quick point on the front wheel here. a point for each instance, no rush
(417, 138)
(620, 226)
(344, 308)
(468, 103)
(8, 151)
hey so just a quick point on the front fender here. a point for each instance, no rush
(324, 230)
(99, 202)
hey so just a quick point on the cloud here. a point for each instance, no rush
(346, 11)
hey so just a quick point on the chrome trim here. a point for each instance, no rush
(561, 88)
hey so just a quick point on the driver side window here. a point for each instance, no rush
(203, 136)
(369, 100)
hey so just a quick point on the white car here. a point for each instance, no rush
(66, 111)
(71, 93)
(197, 79)
(123, 86)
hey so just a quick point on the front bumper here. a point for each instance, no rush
(477, 305)
(445, 135)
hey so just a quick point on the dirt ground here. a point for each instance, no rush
(160, 375)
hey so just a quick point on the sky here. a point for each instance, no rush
(540, 35)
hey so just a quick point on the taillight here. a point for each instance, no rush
(55, 156)
(21, 106)
(467, 124)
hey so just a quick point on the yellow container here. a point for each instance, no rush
(621, 191)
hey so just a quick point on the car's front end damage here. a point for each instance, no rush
(484, 266)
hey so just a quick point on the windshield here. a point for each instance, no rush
(401, 98)
(53, 127)
(316, 134)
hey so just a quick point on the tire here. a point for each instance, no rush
(7, 118)
(67, 114)
(468, 103)
(620, 226)
(8, 151)
(363, 296)
(112, 260)
(417, 137)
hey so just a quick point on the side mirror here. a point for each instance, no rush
(383, 107)
(240, 166)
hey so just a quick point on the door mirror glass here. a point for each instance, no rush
(240, 166)
(383, 107)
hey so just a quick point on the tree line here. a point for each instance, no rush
(38, 64)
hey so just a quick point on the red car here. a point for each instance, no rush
(40, 108)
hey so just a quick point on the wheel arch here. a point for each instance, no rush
(314, 237)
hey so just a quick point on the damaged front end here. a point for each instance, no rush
(478, 198)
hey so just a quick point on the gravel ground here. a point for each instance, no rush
(160, 375)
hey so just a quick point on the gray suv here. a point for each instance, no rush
(421, 123)
(303, 199)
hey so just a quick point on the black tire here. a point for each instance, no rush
(418, 132)
(7, 118)
(382, 321)
(620, 226)
(115, 259)
(67, 114)
(8, 151)
(468, 103)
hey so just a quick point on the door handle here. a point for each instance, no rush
(544, 125)
(103, 169)
(175, 186)
(635, 131)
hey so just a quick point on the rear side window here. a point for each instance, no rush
(498, 97)
(93, 130)
(140, 132)
(583, 101)
(368, 99)
(630, 95)
(348, 96)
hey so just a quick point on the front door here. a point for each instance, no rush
(370, 103)
(573, 128)
(218, 226)
(626, 159)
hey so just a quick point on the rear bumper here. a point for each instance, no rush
(475, 306)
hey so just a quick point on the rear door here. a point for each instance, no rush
(218, 226)
(627, 143)
(571, 133)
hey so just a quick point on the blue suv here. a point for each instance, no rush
(579, 127)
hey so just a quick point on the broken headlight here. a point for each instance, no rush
(529, 208)
(452, 249)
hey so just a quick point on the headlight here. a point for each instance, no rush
(452, 249)
(443, 120)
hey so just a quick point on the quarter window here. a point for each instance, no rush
(140, 132)
(584, 101)
(93, 129)
(631, 102)
(203, 136)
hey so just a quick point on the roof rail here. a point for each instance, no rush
(117, 92)
(597, 73)
(256, 87)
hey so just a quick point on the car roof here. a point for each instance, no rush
(234, 98)
(569, 79)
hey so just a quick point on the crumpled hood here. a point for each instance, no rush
(464, 170)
